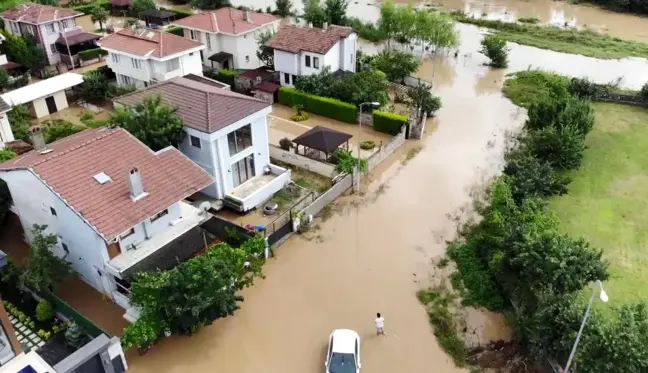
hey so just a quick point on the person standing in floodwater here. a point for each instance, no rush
(380, 324)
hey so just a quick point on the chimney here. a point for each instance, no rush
(135, 184)
(310, 24)
(246, 16)
(325, 25)
(37, 139)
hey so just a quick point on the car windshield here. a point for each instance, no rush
(342, 363)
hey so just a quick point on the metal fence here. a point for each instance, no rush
(282, 225)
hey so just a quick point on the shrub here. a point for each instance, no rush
(324, 106)
(225, 76)
(299, 114)
(44, 311)
(92, 53)
(44, 334)
(285, 143)
(176, 30)
(87, 8)
(494, 48)
(75, 336)
(179, 13)
(644, 90)
(531, 20)
(562, 148)
(388, 122)
(367, 145)
(561, 112)
(58, 128)
(585, 88)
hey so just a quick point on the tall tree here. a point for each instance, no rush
(137, 6)
(314, 13)
(95, 86)
(395, 64)
(99, 14)
(423, 100)
(210, 4)
(284, 7)
(336, 11)
(265, 53)
(24, 50)
(44, 269)
(153, 122)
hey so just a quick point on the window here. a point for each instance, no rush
(53, 48)
(308, 61)
(194, 34)
(159, 215)
(64, 24)
(137, 64)
(294, 78)
(127, 234)
(240, 139)
(173, 64)
(247, 58)
(53, 211)
(50, 28)
(316, 62)
(115, 57)
(65, 248)
(208, 41)
(195, 142)
(287, 78)
(243, 170)
(191, 54)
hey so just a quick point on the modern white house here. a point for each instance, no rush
(113, 202)
(47, 24)
(230, 36)
(140, 57)
(6, 134)
(44, 97)
(3, 58)
(301, 51)
(226, 135)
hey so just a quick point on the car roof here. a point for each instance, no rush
(344, 340)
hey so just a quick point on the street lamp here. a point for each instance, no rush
(604, 298)
(374, 105)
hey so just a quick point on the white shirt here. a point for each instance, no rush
(380, 322)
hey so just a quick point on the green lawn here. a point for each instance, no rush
(607, 201)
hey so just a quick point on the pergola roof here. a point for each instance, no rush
(220, 56)
(322, 138)
(78, 38)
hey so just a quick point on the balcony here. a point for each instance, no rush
(253, 192)
(162, 76)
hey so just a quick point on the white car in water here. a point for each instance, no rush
(343, 354)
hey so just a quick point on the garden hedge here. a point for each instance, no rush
(179, 12)
(388, 122)
(87, 8)
(175, 30)
(92, 53)
(324, 106)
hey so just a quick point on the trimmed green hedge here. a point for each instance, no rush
(92, 53)
(87, 8)
(388, 122)
(225, 76)
(179, 12)
(175, 30)
(324, 106)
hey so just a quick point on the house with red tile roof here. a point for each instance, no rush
(227, 135)
(113, 203)
(140, 56)
(230, 36)
(302, 51)
(49, 26)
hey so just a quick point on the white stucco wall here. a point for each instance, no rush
(32, 201)
(50, 38)
(188, 63)
(149, 228)
(6, 134)
(40, 105)
(286, 62)
(305, 70)
(332, 57)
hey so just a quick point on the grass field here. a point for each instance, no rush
(607, 201)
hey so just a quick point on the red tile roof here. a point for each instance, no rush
(37, 13)
(227, 20)
(267, 87)
(292, 38)
(201, 106)
(147, 42)
(167, 175)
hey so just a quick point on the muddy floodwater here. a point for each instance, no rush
(376, 250)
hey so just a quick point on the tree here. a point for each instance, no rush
(4, 79)
(320, 84)
(75, 336)
(194, 293)
(644, 90)
(283, 7)
(314, 13)
(210, 4)
(423, 100)
(99, 14)
(58, 129)
(365, 86)
(95, 86)
(395, 64)
(494, 48)
(24, 50)
(530, 177)
(153, 122)
(562, 148)
(19, 117)
(561, 112)
(435, 28)
(44, 269)
(6, 154)
(336, 11)
(137, 6)
(265, 53)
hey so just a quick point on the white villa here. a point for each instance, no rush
(140, 57)
(300, 51)
(230, 36)
(227, 135)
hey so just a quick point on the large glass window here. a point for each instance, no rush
(243, 170)
(240, 139)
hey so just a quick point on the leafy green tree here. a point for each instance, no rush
(365, 86)
(395, 64)
(436, 29)
(314, 13)
(423, 100)
(137, 6)
(99, 14)
(6, 154)
(19, 118)
(346, 162)
(532, 178)
(4, 79)
(58, 129)
(319, 84)
(644, 90)
(284, 7)
(562, 148)
(210, 4)
(95, 86)
(24, 50)
(336, 11)
(153, 122)
(494, 48)
(561, 112)
(44, 269)
(265, 53)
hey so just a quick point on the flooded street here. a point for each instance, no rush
(375, 252)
